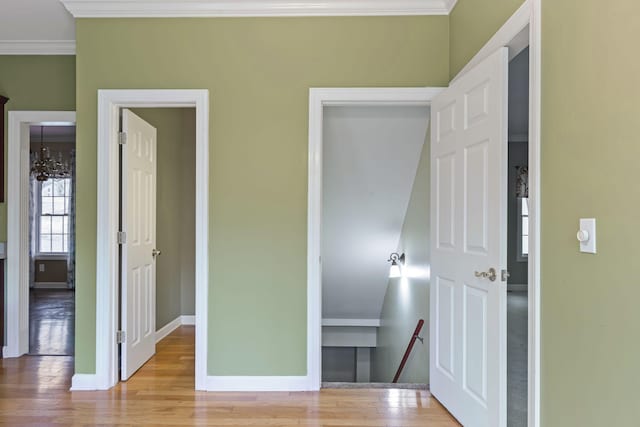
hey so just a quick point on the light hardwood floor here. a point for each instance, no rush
(34, 391)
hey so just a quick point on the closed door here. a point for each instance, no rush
(468, 195)
(139, 247)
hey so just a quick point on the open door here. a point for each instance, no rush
(469, 244)
(139, 243)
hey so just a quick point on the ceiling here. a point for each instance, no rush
(25, 24)
(370, 160)
(47, 26)
(52, 134)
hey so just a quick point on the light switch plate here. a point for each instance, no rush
(588, 225)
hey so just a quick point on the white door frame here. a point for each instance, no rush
(18, 170)
(318, 99)
(107, 278)
(521, 30)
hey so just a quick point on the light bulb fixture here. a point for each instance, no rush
(397, 262)
(45, 167)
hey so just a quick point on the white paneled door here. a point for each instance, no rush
(469, 244)
(139, 247)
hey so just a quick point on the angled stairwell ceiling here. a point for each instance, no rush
(370, 160)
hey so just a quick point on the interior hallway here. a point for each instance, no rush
(51, 322)
(34, 390)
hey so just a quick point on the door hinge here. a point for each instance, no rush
(122, 138)
(122, 237)
(121, 336)
(505, 275)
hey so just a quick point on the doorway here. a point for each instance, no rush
(518, 240)
(110, 103)
(375, 198)
(158, 279)
(40, 236)
(51, 220)
(320, 101)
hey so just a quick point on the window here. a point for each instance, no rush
(523, 229)
(53, 232)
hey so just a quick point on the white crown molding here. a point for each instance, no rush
(239, 8)
(37, 47)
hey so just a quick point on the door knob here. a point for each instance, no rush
(155, 252)
(491, 274)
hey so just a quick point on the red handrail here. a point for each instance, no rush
(414, 337)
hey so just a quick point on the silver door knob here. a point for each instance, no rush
(491, 274)
(155, 252)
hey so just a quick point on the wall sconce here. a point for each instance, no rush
(397, 262)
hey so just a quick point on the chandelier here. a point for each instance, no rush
(45, 167)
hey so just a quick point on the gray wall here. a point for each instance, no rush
(175, 285)
(407, 299)
(518, 156)
(339, 364)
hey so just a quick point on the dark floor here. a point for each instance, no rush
(51, 322)
(517, 358)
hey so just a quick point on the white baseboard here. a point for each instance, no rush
(514, 287)
(85, 382)
(188, 319)
(50, 285)
(173, 325)
(258, 383)
(168, 328)
(9, 352)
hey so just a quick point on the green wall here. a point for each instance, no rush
(175, 205)
(590, 315)
(407, 299)
(472, 24)
(35, 83)
(258, 72)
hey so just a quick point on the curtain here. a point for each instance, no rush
(522, 181)
(33, 217)
(71, 260)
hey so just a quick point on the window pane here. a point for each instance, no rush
(525, 225)
(56, 243)
(45, 224)
(525, 206)
(525, 245)
(59, 205)
(65, 224)
(57, 224)
(58, 187)
(47, 205)
(65, 244)
(46, 188)
(45, 243)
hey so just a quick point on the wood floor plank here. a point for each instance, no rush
(35, 391)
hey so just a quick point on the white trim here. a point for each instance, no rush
(258, 383)
(83, 382)
(168, 328)
(234, 8)
(374, 323)
(535, 172)
(109, 104)
(513, 34)
(318, 99)
(516, 287)
(17, 303)
(188, 320)
(37, 47)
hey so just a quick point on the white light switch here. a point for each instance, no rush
(587, 235)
